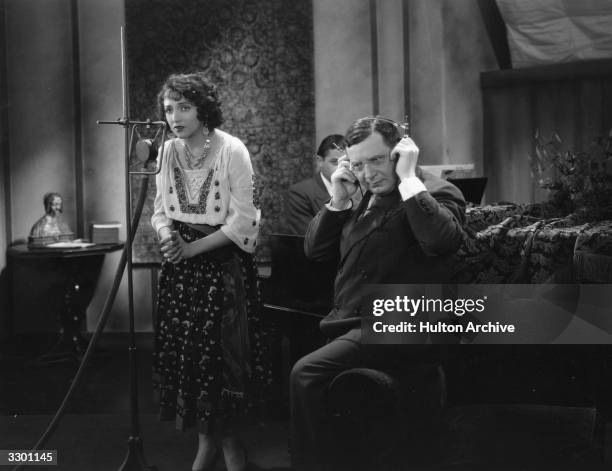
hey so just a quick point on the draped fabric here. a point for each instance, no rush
(516, 244)
(557, 31)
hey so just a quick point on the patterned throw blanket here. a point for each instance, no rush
(513, 244)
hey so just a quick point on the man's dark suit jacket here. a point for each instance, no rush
(397, 241)
(305, 200)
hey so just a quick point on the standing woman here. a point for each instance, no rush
(208, 347)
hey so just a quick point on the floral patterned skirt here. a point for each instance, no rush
(209, 351)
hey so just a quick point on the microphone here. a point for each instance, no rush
(145, 150)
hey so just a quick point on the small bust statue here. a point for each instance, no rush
(51, 227)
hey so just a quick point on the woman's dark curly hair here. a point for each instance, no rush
(361, 129)
(195, 88)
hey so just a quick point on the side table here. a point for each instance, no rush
(68, 278)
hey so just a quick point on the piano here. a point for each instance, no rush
(296, 296)
(297, 285)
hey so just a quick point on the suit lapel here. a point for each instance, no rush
(321, 195)
(319, 179)
(362, 225)
(357, 231)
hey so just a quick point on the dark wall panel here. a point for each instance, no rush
(572, 100)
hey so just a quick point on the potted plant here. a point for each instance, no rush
(579, 183)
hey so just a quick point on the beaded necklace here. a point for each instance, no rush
(196, 162)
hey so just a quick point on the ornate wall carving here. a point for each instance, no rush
(260, 54)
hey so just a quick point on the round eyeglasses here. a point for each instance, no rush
(373, 162)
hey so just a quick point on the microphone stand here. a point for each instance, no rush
(134, 460)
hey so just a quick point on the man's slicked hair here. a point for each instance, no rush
(361, 129)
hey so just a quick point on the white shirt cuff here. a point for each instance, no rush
(410, 187)
(349, 205)
(169, 226)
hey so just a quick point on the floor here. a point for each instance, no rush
(93, 435)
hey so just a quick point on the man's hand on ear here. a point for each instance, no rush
(406, 155)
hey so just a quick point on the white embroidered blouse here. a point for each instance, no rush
(219, 193)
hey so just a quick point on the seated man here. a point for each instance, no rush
(308, 196)
(405, 230)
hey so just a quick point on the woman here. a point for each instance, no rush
(207, 356)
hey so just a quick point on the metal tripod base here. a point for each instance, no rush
(134, 460)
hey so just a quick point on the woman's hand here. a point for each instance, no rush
(174, 248)
(405, 154)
